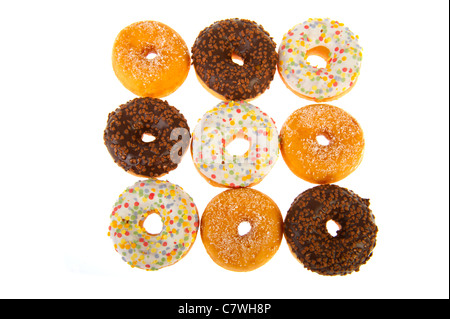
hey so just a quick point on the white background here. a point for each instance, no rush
(58, 182)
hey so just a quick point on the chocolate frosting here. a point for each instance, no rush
(126, 127)
(212, 55)
(308, 237)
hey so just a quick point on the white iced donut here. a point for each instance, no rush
(333, 42)
(179, 216)
(218, 128)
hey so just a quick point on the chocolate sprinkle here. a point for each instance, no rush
(126, 127)
(309, 240)
(212, 55)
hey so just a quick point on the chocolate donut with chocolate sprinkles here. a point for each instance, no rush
(309, 240)
(245, 40)
(131, 122)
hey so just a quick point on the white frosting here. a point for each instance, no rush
(220, 126)
(179, 217)
(343, 63)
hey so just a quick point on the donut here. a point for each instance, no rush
(220, 235)
(245, 40)
(150, 77)
(316, 161)
(305, 230)
(179, 217)
(333, 42)
(129, 123)
(222, 125)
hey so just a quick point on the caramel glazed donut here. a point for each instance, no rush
(310, 242)
(212, 57)
(220, 234)
(150, 77)
(128, 124)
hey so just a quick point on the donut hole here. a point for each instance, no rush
(239, 146)
(237, 59)
(153, 224)
(244, 228)
(151, 55)
(147, 138)
(322, 140)
(316, 61)
(333, 227)
(318, 57)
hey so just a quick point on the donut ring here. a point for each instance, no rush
(245, 40)
(156, 77)
(218, 128)
(179, 216)
(309, 241)
(333, 42)
(312, 161)
(219, 229)
(127, 126)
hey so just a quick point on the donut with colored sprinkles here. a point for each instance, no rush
(245, 40)
(127, 127)
(309, 240)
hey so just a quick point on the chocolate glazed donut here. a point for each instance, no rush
(309, 240)
(214, 49)
(128, 124)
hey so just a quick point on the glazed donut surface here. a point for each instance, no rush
(332, 41)
(127, 126)
(179, 217)
(155, 77)
(214, 49)
(219, 229)
(312, 160)
(309, 240)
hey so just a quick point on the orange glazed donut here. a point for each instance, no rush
(150, 77)
(318, 162)
(220, 235)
